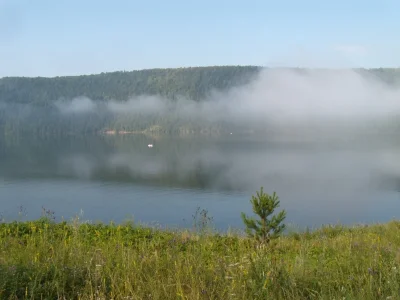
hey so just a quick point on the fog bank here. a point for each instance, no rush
(281, 98)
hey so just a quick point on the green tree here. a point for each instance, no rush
(267, 228)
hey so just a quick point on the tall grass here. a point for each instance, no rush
(72, 260)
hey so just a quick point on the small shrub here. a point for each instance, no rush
(266, 228)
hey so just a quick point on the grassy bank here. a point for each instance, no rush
(45, 260)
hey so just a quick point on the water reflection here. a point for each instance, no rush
(112, 177)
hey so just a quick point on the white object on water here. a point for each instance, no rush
(150, 145)
(231, 132)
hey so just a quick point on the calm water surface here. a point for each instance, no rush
(117, 178)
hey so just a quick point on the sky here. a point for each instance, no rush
(57, 38)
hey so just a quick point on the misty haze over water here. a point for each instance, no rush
(114, 178)
(330, 151)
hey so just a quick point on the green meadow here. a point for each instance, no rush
(44, 259)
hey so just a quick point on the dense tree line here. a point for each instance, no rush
(192, 83)
(43, 117)
(29, 104)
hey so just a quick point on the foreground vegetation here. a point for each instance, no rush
(74, 260)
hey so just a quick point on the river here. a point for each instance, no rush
(117, 178)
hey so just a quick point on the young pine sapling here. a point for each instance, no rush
(267, 228)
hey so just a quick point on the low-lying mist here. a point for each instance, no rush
(349, 117)
(280, 97)
(326, 128)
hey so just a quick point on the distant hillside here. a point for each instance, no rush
(28, 105)
(192, 83)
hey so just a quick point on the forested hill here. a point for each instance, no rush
(192, 83)
(29, 105)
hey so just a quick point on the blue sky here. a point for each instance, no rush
(50, 38)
